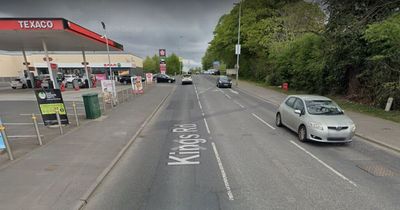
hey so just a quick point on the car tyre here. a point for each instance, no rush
(169, 81)
(125, 82)
(302, 133)
(14, 88)
(278, 120)
(24, 86)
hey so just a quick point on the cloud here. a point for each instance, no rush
(181, 26)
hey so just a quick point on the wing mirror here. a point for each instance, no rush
(297, 112)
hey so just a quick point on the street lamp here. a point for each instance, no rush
(109, 64)
(108, 49)
(237, 47)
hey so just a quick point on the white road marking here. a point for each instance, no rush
(224, 177)
(228, 96)
(239, 104)
(259, 118)
(235, 92)
(208, 129)
(202, 113)
(201, 107)
(324, 164)
(201, 92)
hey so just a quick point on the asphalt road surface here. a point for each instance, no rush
(211, 148)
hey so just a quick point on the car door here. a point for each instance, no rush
(297, 119)
(287, 108)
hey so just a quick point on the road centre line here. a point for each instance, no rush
(324, 164)
(239, 104)
(208, 129)
(228, 96)
(235, 92)
(221, 168)
(201, 107)
(259, 118)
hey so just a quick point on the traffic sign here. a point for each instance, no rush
(162, 52)
(237, 49)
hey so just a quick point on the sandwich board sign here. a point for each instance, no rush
(49, 101)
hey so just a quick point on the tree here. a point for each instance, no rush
(149, 65)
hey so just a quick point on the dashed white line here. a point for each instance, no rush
(205, 122)
(228, 96)
(235, 92)
(201, 107)
(224, 177)
(239, 104)
(259, 118)
(324, 164)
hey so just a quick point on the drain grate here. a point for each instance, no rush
(377, 169)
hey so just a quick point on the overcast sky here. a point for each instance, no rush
(181, 26)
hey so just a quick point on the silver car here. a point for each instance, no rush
(315, 118)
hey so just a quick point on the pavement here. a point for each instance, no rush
(211, 148)
(383, 132)
(58, 174)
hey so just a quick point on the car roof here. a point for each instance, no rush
(311, 97)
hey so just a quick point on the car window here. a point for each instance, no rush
(323, 107)
(298, 104)
(290, 101)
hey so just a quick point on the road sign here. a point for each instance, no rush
(237, 49)
(137, 84)
(149, 78)
(162, 52)
(50, 101)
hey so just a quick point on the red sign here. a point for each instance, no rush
(285, 86)
(34, 24)
(53, 66)
(162, 52)
(163, 68)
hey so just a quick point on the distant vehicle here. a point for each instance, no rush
(18, 83)
(187, 79)
(224, 81)
(69, 78)
(125, 79)
(162, 78)
(315, 118)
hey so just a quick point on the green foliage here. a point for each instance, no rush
(153, 64)
(352, 49)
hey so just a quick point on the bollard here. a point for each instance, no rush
(35, 125)
(8, 148)
(59, 121)
(104, 105)
(75, 113)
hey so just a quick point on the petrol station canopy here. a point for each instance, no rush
(59, 34)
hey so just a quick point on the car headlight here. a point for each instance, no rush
(317, 126)
(353, 128)
(220, 81)
(230, 82)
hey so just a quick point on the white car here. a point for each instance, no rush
(315, 118)
(18, 83)
(187, 79)
(69, 78)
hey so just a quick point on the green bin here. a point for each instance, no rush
(92, 105)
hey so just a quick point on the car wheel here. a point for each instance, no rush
(24, 86)
(278, 120)
(302, 133)
(169, 81)
(125, 82)
(14, 88)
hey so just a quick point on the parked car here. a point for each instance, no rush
(224, 81)
(125, 79)
(187, 79)
(315, 118)
(69, 78)
(18, 83)
(162, 78)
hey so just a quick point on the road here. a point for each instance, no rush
(210, 148)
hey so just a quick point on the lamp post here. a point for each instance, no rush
(109, 66)
(237, 47)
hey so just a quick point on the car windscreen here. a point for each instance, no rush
(323, 107)
(225, 79)
(186, 76)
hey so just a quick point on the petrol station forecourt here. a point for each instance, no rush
(52, 35)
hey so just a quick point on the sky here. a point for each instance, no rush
(181, 26)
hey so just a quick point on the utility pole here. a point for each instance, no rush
(237, 48)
